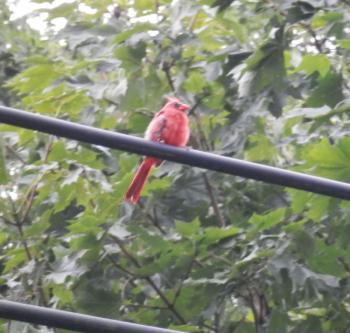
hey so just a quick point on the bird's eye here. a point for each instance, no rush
(177, 105)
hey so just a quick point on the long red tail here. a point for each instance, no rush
(135, 188)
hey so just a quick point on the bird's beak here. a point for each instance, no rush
(184, 107)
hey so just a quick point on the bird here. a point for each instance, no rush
(170, 126)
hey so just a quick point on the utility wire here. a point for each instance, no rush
(71, 321)
(191, 157)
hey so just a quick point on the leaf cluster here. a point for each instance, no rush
(202, 251)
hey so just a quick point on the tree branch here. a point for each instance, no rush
(208, 186)
(153, 219)
(318, 44)
(15, 154)
(213, 200)
(29, 198)
(161, 295)
(187, 274)
(18, 224)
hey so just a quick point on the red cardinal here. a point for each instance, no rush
(171, 126)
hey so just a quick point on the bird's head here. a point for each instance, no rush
(176, 104)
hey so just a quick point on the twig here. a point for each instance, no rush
(15, 154)
(156, 223)
(208, 186)
(153, 219)
(161, 295)
(187, 274)
(345, 265)
(29, 198)
(213, 200)
(166, 69)
(318, 44)
(18, 224)
(259, 307)
(204, 143)
(255, 312)
(120, 267)
(23, 240)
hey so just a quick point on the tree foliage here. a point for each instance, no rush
(202, 251)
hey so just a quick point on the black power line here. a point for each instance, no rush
(71, 321)
(191, 157)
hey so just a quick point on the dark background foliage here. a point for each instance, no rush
(202, 252)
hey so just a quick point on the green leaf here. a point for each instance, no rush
(326, 259)
(323, 18)
(328, 91)
(214, 234)
(3, 237)
(131, 56)
(195, 82)
(188, 229)
(314, 63)
(318, 207)
(260, 149)
(283, 103)
(299, 200)
(137, 122)
(66, 195)
(344, 43)
(330, 161)
(15, 258)
(64, 295)
(266, 65)
(35, 78)
(85, 224)
(269, 220)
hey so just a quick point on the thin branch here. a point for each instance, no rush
(213, 200)
(120, 267)
(254, 309)
(259, 307)
(166, 69)
(23, 240)
(18, 224)
(318, 44)
(187, 274)
(345, 265)
(29, 198)
(217, 321)
(204, 142)
(153, 218)
(128, 272)
(161, 295)
(8, 222)
(22, 215)
(15, 154)
(156, 223)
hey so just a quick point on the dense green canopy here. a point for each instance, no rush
(202, 252)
